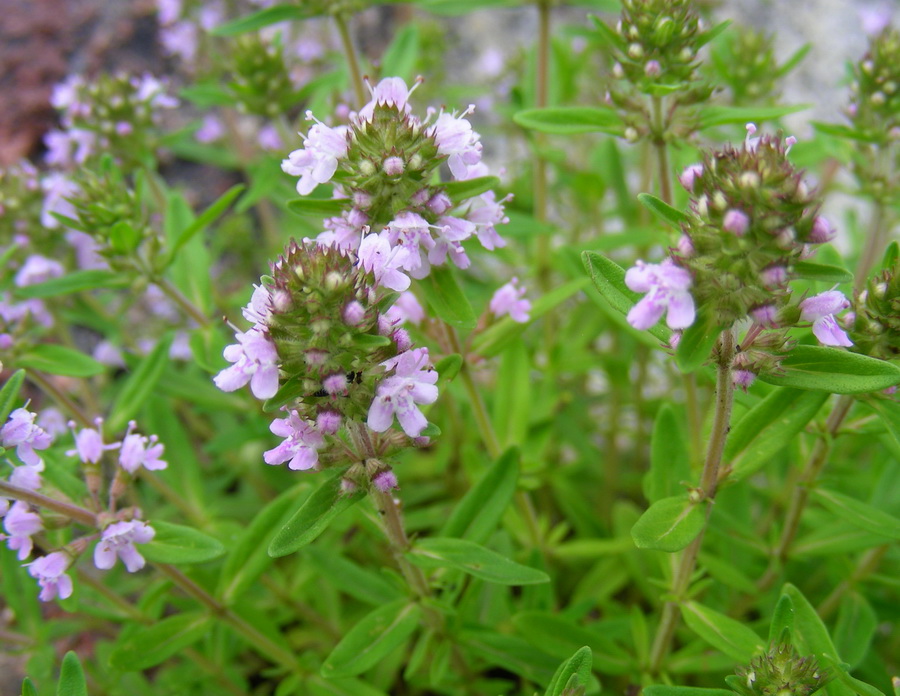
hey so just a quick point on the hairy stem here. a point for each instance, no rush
(709, 481)
(73, 512)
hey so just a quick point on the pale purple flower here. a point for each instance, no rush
(260, 308)
(689, 176)
(150, 89)
(301, 444)
(385, 481)
(766, 315)
(743, 379)
(345, 232)
(450, 232)
(412, 383)
(317, 162)
(652, 68)
(15, 312)
(413, 233)
(52, 421)
(86, 250)
(57, 189)
(685, 246)
(37, 269)
(168, 11)
(405, 308)
(455, 138)
(393, 166)
(118, 540)
(875, 19)
(65, 93)
(50, 572)
(89, 445)
(391, 91)
(28, 476)
(108, 353)
(377, 257)
(736, 222)
(69, 148)
(140, 451)
(269, 139)
(666, 286)
(329, 422)
(21, 432)
(20, 523)
(822, 231)
(255, 360)
(773, 276)
(820, 310)
(486, 211)
(354, 313)
(180, 39)
(510, 299)
(210, 130)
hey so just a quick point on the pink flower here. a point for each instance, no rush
(736, 222)
(118, 540)
(301, 443)
(378, 258)
(822, 231)
(20, 523)
(21, 432)
(666, 286)
(259, 310)
(411, 384)
(405, 308)
(413, 233)
(820, 310)
(455, 138)
(509, 299)
(255, 360)
(391, 91)
(89, 444)
(140, 451)
(689, 176)
(318, 161)
(211, 130)
(50, 572)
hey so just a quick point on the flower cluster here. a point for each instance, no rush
(747, 65)
(875, 90)
(875, 320)
(260, 82)
(385, 165)
(781, 670)
(117, 531)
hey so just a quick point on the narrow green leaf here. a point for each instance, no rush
(400, 57)
(10, 393)
(370, 640)
(768, 427)
(834, 370)
(71, 677)
(59, 360)
(469, 188)
(316, 207)
(28, 688)
(663, 210)
(822, 272)
(510, 652)
(177, 544)
(139, 385)
(718, 115)
(855, 628)
(722, 632)
(314, 516)
(446, 298)
(348, 686)
(891, 254)
(207, 217)
(810, 629)
(76, 281)
(841, 131)
(859, 513)
(572, 674)
(888, 411)
(476, 516)
(568, 120)
(609, 279)
(448, 367)
(782, 620)
(148, 646)
(365, 585)
(669, 524)
(696, 343)
(558, 636)
(670, 461)
(793, 61)
(475, 560)
(207, 94)
(263, 18)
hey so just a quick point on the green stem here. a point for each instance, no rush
(359, 90)
(60, 397)
(875, 243)
(709, 482)
(183, 302)
(539, 165)
(662, 150)
(867, 565)
(73, 512)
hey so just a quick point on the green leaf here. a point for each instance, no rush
(400, 57)
(71, 677)
(365, 585)
(663, 210)
(148, 646)
(177, 544)
(768, 427)
(446, 298)
(822, 272)
(73, 282)
(139, 385)
(459, 191)
(665, 690)
(59, 360)
(858, 513)
(207, 94)
(782, 620)
(317, 207)
(207, 217)
(891, 254)
(669, 524)
(448, 367)
(889, 413)
(124, 238)
(696, 343)
(845, 132)
(370, 640)
(835, 371)
(722, 632)
(10, 393)
(609, 279)
(476, 516)
(567, 120)
(557, 635)
(809, 628)
(452, 8)
(314, 516)
(670, 461)
(572, 674)
(263, 18)
(718, 115)
(855, 628)
(28, 688)
(475, 560)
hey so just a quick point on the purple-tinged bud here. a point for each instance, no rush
(328, 422)
(736, 222)
(743, 379)
(822, 231)
(618, 72)
(335, 384)
(362, 200)
(314, 357)
(6, 341)
(785, 238)
(440, 203)
(420, 197)
(357, 218)
(281, 301)
(422, 441)
(689, 175)
(402, 339)
(385, 481)
(124, 128)
(890, 391)
(685, 246)
(652, 68)
(765, 315)
(354, 313)
(674, 340)
(348, 486)
(393, 166)
(635, 51)
(385, 325)
(774, 276)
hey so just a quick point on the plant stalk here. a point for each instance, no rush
(359, 90)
